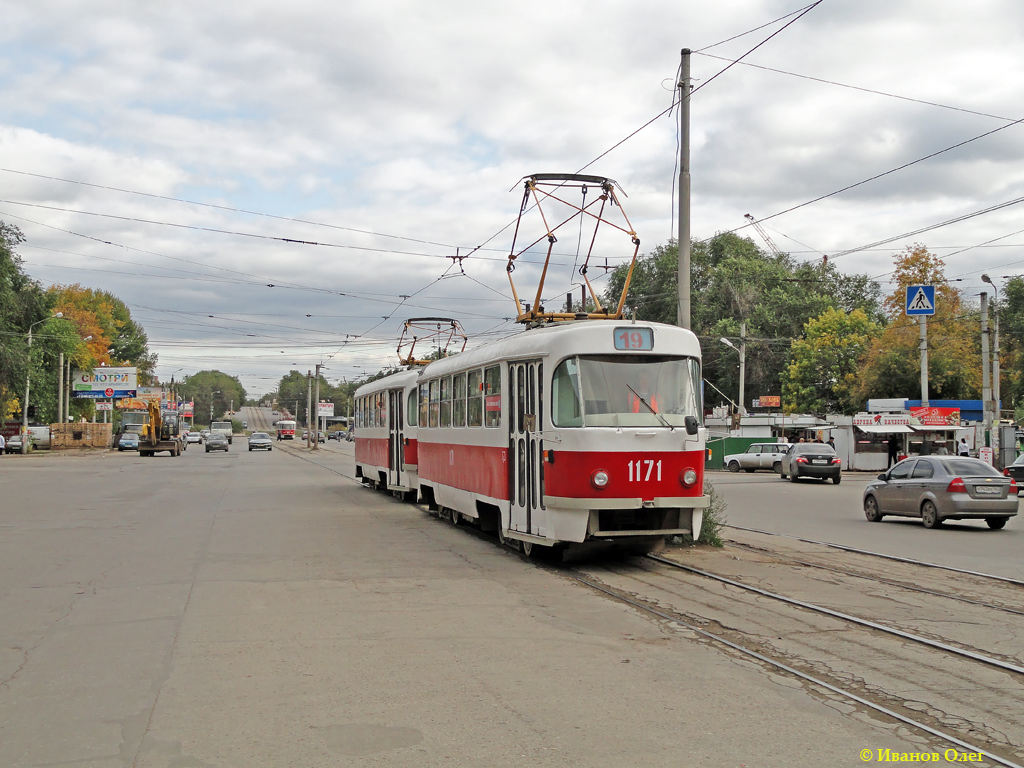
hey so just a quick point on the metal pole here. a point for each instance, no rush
(67, 394)
(743, 367)
(683, 311)
(24, 404)
(986, 388)
(60, 388)
(924, 360)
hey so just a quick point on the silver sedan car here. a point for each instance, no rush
(937, 488)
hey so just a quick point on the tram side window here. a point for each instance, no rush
(424, 404)
(492, 396)
(435, 402)
(410, 417)
(459, 400)
(565, 395)
(475, 399)
(446, 401)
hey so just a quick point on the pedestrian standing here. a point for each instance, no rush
(894, 450)
(962, 448)
(832, 442)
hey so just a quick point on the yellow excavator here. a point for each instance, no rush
(160, 432)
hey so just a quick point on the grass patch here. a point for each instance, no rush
(714, 520)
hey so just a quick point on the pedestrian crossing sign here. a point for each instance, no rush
(920, 299)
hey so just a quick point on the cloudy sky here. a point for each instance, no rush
(168, 152)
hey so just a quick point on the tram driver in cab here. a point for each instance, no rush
(643, 393)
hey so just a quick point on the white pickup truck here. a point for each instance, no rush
(224, 427)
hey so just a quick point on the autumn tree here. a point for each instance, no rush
(822, 376)
(892, 365)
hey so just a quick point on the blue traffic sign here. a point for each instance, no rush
(920, 299)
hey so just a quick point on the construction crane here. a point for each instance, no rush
(764, 235)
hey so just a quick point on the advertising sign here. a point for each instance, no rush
(325, 409)
(187, 409)
(104, 405)
(105, 383)
(770, 401)
(881, 420)
(935, 417)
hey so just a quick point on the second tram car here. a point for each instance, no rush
(574, 432)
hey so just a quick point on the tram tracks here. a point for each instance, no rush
(944, 686)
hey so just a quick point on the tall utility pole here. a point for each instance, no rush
(309, 405)
(683, 311)
(743, 367)
(986, 388)
(316, 437)
(60, 389)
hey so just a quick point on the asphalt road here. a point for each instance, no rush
(825, 512)
(259, 609)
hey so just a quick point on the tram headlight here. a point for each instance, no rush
(688, 478)
(599, 479)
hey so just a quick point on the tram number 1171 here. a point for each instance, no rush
(640, 470)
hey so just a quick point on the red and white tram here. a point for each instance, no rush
(572, 432)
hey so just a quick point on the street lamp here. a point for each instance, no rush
(742, 349)
(28, 374)
(996, 394)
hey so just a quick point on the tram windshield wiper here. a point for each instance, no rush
(650, 408)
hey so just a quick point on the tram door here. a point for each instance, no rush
(396, 437)
(526, 446)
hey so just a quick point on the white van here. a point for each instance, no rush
(40, 437)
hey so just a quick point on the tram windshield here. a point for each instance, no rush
(625, 391)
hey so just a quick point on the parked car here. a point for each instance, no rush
(1016, 470)
(129, 442)
(937, 488)
(14, 444)
(811, 460)
(193, 437)
(217, 441)
(260, 440)
(321, 437)
(758, 456)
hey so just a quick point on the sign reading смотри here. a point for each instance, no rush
(105, 383)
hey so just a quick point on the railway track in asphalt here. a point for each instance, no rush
(938, 679)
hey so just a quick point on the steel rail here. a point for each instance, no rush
(795, 672)
(879, 579)
(1004, 665)
(897, 558)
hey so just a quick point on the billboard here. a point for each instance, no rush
(105, 383)
(325, 409)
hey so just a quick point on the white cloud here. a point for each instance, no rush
(416, 119)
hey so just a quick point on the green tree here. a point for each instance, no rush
(822, 376)
(211, 389)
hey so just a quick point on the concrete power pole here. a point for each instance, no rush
(683, 311)
(986, 387)
(316, 437)
(309, 405)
